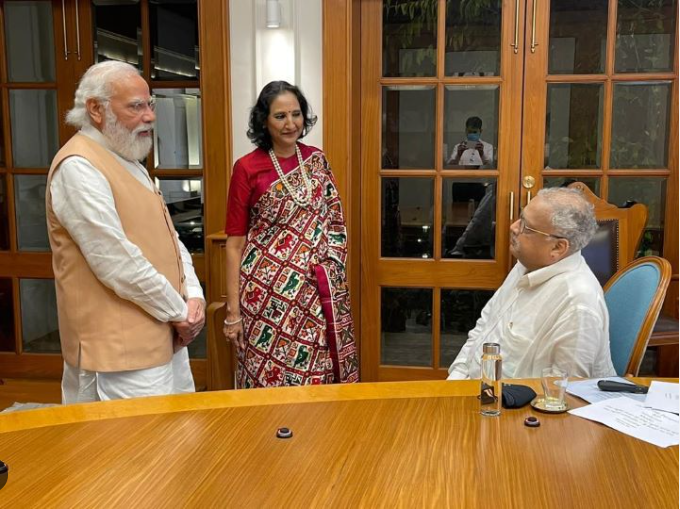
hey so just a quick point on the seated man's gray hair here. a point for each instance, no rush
(96, 84)
(573, 216)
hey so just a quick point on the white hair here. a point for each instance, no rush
(573, 217)
(96, 84)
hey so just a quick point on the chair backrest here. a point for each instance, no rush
(615, 243)
(634, 296)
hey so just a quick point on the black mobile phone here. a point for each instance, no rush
(612, 386)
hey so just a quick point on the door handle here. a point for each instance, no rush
(63, 19)
(515, 43)
(533, 28)
(77, 32)
(512, 206)
(528, 183)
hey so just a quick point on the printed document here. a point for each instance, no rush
(663, 396)
(632, 418)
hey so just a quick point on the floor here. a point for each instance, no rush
(14, 390)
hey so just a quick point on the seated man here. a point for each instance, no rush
(550, 310)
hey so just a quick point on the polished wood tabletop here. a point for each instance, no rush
(403, 444)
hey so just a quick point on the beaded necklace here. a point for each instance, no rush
(306, 198)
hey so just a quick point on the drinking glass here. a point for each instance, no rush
(554, 381)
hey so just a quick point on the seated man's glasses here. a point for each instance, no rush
(523, 229)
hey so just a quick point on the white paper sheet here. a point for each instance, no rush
(632, 418)
(588, 390)
(663, 396)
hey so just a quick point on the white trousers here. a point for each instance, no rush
(83, 386)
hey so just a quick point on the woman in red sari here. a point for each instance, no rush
(288, 302)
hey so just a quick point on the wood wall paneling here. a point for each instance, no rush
(370, 223)
(216, 101)
(217, 150)
(342, 135)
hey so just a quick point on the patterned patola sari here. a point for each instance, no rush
(293, 288)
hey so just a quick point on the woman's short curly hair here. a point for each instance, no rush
(257, 128)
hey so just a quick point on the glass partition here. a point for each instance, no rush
(178, 139)
(406, 325)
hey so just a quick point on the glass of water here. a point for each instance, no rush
(554, 381)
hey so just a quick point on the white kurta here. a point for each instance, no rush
(554, 316)
(83, 203)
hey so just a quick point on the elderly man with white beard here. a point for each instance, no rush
(128, 299)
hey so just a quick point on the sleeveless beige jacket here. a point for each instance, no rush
(99, 330)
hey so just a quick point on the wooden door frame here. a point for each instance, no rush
(342, 127)
(670, 251)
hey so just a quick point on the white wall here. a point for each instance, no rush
(259, 55)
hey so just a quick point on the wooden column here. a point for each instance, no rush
(216, 96)
(342, 115)
(216, 99)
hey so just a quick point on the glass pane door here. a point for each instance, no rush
(46, 46)
(600, 104)
(440, 157)
(35, 65)
(601, 107)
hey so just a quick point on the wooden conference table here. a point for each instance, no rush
(409, 444)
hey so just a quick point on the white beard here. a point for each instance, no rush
(124, 142)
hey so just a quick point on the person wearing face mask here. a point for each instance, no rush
(472, 151)
(288, 308)
(128, 299)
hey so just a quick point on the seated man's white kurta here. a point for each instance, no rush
(550, 310)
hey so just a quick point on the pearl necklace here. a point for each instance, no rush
(306, 198)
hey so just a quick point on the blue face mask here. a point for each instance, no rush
(473, 136)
